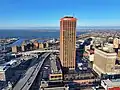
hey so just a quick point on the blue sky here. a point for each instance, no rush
(42, 13)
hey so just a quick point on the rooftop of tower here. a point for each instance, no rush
(68, 17)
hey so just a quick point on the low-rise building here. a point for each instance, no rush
(56, 72)
(55, 88)
(111, 84)
(5, 73)
(118, 55)
(21, 45)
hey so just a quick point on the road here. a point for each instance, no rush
(39, 51)
(41, 75)
(26, 82)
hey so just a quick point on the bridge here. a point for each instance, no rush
(26, 82)
(39, 51)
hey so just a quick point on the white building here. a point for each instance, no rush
(111, 84)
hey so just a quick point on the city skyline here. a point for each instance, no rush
(43, 13)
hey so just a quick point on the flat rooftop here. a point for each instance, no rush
(55, 88)
(3, 84)
(68, 17)
(20, 42)
(112, 83)
(55, 67)
(40, 41)
(105, 52)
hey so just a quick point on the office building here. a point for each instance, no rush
(21, 45)
(41, 45)
(105, 62)
(46, 45)
(118, 55)
(68, 42)
(2, 74)
(116, 42)
(15, 49)
(89, 52)
(36, 45)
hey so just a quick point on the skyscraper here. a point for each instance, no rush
(68, 42)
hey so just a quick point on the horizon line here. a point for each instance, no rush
(58, 27)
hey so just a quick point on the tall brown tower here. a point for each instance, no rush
(68, 42)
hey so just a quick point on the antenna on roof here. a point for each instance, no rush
(73, 15)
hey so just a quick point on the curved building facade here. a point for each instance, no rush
(68, 42)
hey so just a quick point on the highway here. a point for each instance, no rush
(38, 51)
(26, 82)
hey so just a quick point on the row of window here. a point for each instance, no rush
(68, 23)
(68, 35)
(68, 64)
(56, 77)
